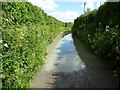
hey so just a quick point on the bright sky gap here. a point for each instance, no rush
(66, 10)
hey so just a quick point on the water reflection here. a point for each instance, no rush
(72, 65)
(79, 68)
(67, 57)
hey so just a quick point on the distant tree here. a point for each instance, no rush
(66, 24)
(88, 9)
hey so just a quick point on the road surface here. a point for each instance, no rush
(71, 65)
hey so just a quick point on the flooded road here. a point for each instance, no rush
(72, 65)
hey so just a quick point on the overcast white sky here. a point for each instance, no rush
(65, 10)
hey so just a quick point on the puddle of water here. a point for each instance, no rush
(73, 65)
(80, 67)
(67, 56)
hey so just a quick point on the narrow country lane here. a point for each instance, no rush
(72, 65)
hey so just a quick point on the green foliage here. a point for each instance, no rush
(88, 9)
(27, 31)
(100, 30)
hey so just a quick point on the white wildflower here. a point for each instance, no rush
(6, 45)
(110, 22)
(6, 20)
(116, 26)
(99, 24)
(1, 41)
(107, 28)
(88, 35)
(117, 57)
(26, 41)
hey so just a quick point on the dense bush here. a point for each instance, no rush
(100, 30)
(27, 31)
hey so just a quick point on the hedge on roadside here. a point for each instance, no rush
(100, 31)
(26, 32)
